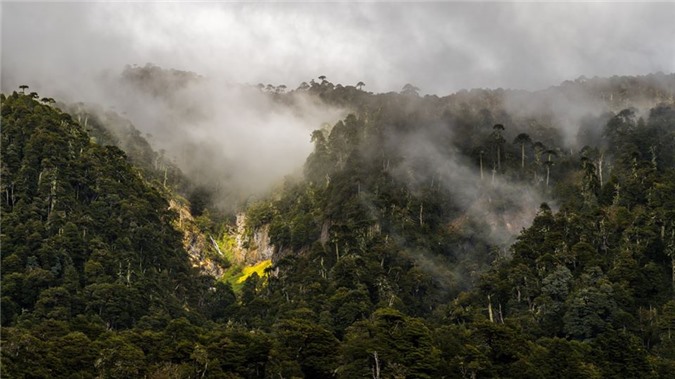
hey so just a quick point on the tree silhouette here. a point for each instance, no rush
(548, 165)
(410, 89)
(539, 149)
(360, 85)
(23, 88)
(498, 141)
(522, 139)
(549, 154)
(480, 151)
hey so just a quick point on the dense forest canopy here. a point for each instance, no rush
(487, 233)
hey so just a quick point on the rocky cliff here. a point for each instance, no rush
(252, 247)
(203, 251)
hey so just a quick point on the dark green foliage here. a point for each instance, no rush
(86, 245)
(388, 258)
(378, 226)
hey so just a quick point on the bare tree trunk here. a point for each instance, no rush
(421, 214)
(492, 319)
(206, 367)
(670, 250)
(499, 159)
(481, 167)
(672, 266)
(215, 245)
(522, 156)
(376, 369)
(602, 156)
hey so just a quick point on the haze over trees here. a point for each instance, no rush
(487, 233)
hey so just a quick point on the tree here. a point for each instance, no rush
(669, 242)
(498, 141)
(410, 90)
(308, 344)
(118, 358)
(389, 345)
(539, 149)
(548, 165)
(549, 154)
(590, 185)
(23, 88)
(360, 85)
(479, 151)
(522, 139)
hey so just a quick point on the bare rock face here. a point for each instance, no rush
(195, 243)
(251, 250)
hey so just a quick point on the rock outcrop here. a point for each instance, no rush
(252, 247)
(197, 245)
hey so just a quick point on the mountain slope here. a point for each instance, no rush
(427, 237)
(87, 245)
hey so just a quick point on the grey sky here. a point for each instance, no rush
(439, 47)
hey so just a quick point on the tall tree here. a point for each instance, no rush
(549, 154)
(522, 139)
(498, 141)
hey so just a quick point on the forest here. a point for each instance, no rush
(489, 233)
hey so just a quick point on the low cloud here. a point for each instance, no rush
(439, 47)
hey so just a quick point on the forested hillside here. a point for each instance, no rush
(488, 233)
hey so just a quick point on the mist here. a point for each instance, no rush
(235, 140)
(471, 193)
(439, 47)
(221, 132)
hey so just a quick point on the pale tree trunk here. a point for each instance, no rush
(499, 159)
(602, 156)
(670, 250)
(522, 156)
(421, 214)
(481, 167)
(376, 368)
(215, 245)
(672, 266)
(492, 319)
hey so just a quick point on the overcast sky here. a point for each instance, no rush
(439, 47)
